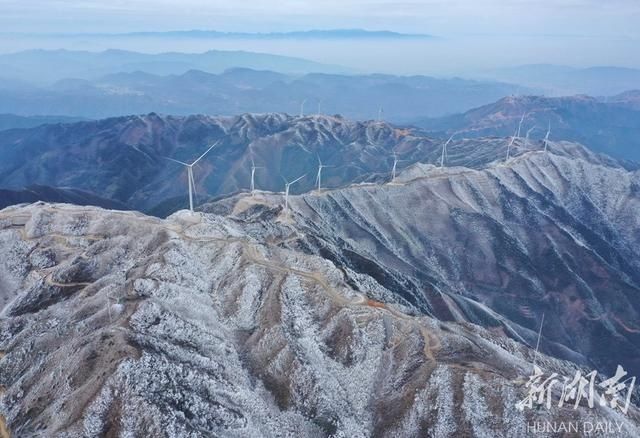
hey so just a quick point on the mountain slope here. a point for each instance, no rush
(123, 158)
(120, 324)
(629, 99)
(497, 247)
(611, 127)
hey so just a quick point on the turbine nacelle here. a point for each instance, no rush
(191, 181)
(287, 185)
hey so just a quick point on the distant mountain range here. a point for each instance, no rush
(11, 121)
(122, 159)
(563, 80)
(628, 99)
(610, 126)
(239, 90)
(308, 34)
(48, 66)
(34, 193)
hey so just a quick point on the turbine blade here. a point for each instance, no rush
(206, 152)
(176, 161)
(450, 138)
(546, 137)
(297, 179)
(520, 124)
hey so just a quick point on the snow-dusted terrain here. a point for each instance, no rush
(358, 314)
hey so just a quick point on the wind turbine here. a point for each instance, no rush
(444, 149)
(319, 176)
(319, 104)
(395, 165)
(253, 175)
(520, 124)
(302, 108)
(287, 185)
(526, 139)
(546, 137)
(513, 138)
(380, 111)
(192, 185)
(535, 357)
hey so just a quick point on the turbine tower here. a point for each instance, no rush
(287, 185)
(526, 139)
(192, 185)
(520, 124)
(319, 105)
(302, 107)
(513, 139)
(319, 176)
(535, 357)
(546, 137)
(395, 166)
(253, 176)
(444, 149)
(380, 111)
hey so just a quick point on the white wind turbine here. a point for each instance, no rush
(535, 357)
(513, 138)
(319, 175)
(395, 166)
(526, 139)
(319, 105)
(192, 185)
(444, 149)
(287, 185)
(302, 107)
(253, 176)
(546, 137)
(520, 124)
(380, 111)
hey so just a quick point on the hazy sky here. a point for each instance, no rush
(474, 34)
(445, 17)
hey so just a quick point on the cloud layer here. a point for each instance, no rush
(583, 17)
